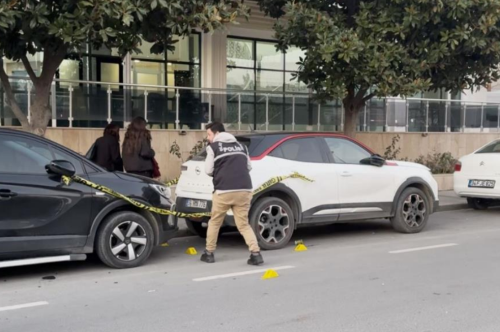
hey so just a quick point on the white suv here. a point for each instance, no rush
(350, 183)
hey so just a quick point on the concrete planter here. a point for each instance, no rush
(445, 181)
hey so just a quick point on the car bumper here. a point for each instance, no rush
(181, 206)
(167, 228)
(462, 189)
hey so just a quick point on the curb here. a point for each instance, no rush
(453, 207)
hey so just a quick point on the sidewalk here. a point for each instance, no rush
(448, 201)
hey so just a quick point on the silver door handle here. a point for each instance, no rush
(346, 174)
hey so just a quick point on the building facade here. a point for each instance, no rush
(237, 77)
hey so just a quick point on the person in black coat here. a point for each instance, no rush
(138, 156)
(107, 149)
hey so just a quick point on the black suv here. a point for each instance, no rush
(40, 217)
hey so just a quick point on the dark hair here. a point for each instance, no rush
(136, 132)
(112, 129)
(215, 127)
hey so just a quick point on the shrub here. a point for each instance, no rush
(438, 162)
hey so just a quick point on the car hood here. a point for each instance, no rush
(411, 165)
(136, 178)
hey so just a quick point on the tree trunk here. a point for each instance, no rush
(40, 109)
(352, 106)
(351, 122)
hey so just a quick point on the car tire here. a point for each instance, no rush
(196, 227)
(124, 240)
(273, 221)
(412, 211)
(478, 203)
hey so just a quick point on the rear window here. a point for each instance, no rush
(491, 148)
(250, 142)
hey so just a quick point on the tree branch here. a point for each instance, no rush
(11, 101)
(52, 59)
(370, 96)
(29, 69)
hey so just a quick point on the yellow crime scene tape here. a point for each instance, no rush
(271, 182)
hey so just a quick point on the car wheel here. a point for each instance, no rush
(273, 222)
(478, 203)
(412, 211)
(125, 240)
(196, 227)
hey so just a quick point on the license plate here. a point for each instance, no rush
(481, 184)
(196, 204)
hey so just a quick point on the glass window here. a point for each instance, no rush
(27, 156)
(294, 85)
(268, 57)
(241, 79)
(23, 156)
(491, 148)
(69, 70)
(148, 73)
(346, 152)
(16, 68)
(240, 53)
(187, 49)
(61, 155)
(293, 55)
(269, 81)
(302, 149)
(183, 75)
(145, 48)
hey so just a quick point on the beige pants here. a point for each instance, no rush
(240, 203)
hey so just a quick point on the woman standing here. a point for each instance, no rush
(138, 156)
(107, 149)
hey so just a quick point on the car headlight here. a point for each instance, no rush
(162, 190)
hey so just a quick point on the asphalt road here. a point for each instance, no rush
(354, 277)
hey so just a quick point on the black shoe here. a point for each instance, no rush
(208, 257)
(255, 259)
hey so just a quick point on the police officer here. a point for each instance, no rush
(229, 164)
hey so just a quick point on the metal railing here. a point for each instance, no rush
(94, 104)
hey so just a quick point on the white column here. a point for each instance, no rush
(213, 64)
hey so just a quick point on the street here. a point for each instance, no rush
(353, 277)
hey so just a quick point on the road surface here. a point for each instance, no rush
(353, 277)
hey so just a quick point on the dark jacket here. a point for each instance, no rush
(140, 160)
(229, 164)
(107, 153)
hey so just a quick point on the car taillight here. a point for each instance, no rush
(458, 167)
(184, 168)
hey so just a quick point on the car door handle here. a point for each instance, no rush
(346, 174)
(5, 193)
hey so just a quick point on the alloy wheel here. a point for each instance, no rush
(274, 224)
(128, 241)
(414, 210)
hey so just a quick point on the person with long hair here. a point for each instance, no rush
(138, 156)
(107, 149)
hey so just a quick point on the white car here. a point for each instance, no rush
(477, 176)
(350, 183)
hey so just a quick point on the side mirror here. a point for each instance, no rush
(60, 167)
(374, 160)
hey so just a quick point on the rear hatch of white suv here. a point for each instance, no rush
(195, 187)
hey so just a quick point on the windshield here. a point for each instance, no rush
(493, 147)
